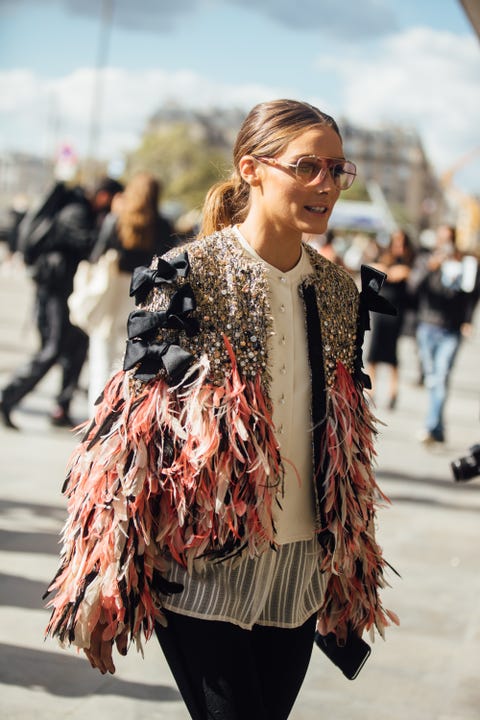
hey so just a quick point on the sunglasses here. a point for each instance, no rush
(310, 168)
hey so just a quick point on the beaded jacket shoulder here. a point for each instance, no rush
(338, 306)
(231, 291)
(231, 302)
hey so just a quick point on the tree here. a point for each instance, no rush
(357, 191)
(185, 162)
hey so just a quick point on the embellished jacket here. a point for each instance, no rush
(181, 462)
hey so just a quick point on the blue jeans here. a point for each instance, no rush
(437, 348)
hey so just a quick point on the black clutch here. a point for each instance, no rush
(350, 657)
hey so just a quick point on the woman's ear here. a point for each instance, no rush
(249, 170)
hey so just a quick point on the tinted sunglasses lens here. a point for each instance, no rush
(310, 169)
(344, 174)
(307, 169)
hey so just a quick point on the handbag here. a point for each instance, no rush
(94, 291)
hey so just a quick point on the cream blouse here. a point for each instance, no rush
(282, 587)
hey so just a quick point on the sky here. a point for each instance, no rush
(411, 63)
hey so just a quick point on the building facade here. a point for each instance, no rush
(395, 160)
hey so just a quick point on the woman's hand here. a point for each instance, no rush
(100, 651)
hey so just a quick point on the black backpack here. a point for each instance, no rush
(39, 222)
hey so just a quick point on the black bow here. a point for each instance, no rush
(141, 322)
(152, 356)
(370, 298)
(144, 278)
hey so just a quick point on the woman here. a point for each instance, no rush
(131, 235)
(223, 496)
(396, 262)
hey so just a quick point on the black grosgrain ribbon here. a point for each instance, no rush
(370, 298)
(143, 348)
(319, 400)
(370, 301)
(144, 278)
(150, 357)
(175, 317)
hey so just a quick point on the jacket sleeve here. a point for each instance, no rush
(110, 565)
(352, 558)
(418, 274)
(107, 238)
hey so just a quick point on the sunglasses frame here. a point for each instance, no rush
(326, 165)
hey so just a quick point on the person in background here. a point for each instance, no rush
(53, 259)
(396, 262)
(136, 228)
(444, 284)
(325, 245)
(224, 495)
(17, 212)
(137, 231)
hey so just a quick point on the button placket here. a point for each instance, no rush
(285, 350)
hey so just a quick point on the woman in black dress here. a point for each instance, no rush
(396, 261)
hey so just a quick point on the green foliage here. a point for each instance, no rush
(187, 165)
(358, 191)
(401, 215)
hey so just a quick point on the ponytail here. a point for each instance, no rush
(225, 204)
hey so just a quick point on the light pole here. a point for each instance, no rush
(107, 7)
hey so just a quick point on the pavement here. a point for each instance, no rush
(427, 669)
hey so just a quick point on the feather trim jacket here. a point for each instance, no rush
(181, 461)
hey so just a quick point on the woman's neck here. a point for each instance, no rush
(277, 247)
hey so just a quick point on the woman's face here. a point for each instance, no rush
(291, 205)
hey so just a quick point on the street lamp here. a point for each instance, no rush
(107, 7)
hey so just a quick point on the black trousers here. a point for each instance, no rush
(226, 673)
(61, 343)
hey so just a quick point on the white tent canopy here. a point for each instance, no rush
(358, 216)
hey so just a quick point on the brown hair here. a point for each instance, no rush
(389, 259)
(267, 130)
(138, 215)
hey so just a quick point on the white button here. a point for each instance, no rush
(283, 370)
(283, 279)
(282, 400)
(283, 340)
(282, 308)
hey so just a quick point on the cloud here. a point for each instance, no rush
(359, 20)
(421, 78)
(37, 114)
(150, 15)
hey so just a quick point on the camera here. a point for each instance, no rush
(468, 467)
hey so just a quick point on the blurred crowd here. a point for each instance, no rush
(435, 288)
(81, 247)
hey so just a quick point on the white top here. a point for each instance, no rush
(281, 588)
(290, 391)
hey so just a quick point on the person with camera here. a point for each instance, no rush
(444, 284)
